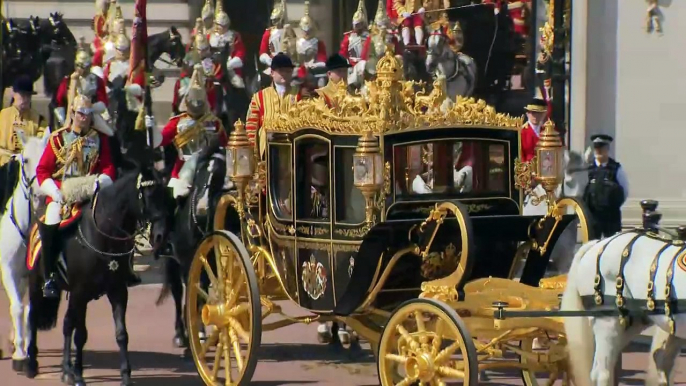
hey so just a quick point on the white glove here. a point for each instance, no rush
(179, 188)
(50, 189)
(421, 11)
(150, 121)
(406, 15)
(135, 90)
(104, 180)
(588, 155)
(234, 63)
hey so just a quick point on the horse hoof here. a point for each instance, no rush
(80, 382)
(179, 342)
(324, 337)
(68, 378)
(126, 381)
(187, 353)
(19, 365)
(31, 370)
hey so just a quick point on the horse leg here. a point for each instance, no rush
(31, 369)
(68, 332)
(174, 274)
(664, 350)
(118, 300)
(15, 293)
(80, 337)
(610, 340)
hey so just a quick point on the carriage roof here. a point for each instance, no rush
(391, 105)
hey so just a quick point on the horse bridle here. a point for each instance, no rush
(140, 185)
(458, 68)
(27, 185)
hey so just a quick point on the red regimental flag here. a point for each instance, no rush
(139, 41)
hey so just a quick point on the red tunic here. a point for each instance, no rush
(265, 102)
(368, 46)
(100, 25)
(391, 12)
(345, 48)
(98, 52)
(529, 141)
(63, 92)
(237, 51)
(264, 43)
(517, 10)
(49, 164)
(169, 133)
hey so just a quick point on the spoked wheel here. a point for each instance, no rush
(229, 310)
(426, 343)
(553, 349)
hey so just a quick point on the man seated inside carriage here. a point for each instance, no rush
(86, 83)
(19, 119)
(225, 41)
(191, 132)
(76, 162)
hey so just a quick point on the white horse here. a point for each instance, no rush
(459, 69)
(14, 227)
(594, 343)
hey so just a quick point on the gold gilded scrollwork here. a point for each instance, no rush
(389, 104)
(525, 175)
(439, 264)
(353, 232)
(312, 231)
(314, 278)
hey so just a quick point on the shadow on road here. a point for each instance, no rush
(313, 352)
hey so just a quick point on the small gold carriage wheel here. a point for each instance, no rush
(223, 300)
(425, 342)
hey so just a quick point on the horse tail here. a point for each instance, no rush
(43, 310)
(580, 337)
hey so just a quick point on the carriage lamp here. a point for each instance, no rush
(550, 165)
(240, 161)
(368, 171)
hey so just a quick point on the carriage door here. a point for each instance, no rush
(313, 213)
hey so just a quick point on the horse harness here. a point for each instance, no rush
(630, 308)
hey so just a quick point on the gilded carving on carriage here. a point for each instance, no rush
(314, 278)
(439, 264)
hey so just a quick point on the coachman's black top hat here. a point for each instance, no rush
(601, 140)
(537, 105)
(281, 60)
(23, 84)
(337, 61)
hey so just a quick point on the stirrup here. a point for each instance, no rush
(50, 289)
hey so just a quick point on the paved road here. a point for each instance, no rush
(290, 356)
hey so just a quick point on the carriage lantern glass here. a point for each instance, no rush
(368, 171)
(240, 160)
(550, 154)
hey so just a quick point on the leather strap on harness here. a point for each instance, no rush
(598, 284)
(619, 282)
(651, 280)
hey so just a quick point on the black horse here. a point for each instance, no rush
(189, 227)
(169, 42)
(96, 251)
(19, 53)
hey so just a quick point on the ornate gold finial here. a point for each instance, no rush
(238, 137)
(207, 10)
(389, 67)
(549, 136)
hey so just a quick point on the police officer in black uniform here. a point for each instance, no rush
(607, 188)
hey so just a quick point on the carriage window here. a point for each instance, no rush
(313, 180)
(280, 165)
(349, 200)
(469, 167)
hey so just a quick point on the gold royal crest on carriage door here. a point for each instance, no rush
(314, 278)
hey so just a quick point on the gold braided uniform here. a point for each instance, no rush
(30, 122)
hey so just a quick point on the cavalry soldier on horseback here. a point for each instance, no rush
(381, 34)
(109, 50)
(271, 101)
(272, 37)
(120, 68)
(190, 132)
(183, 84)
(607, 189)
(100, 24)
(207, 14)
(353, 41)
(19, 117)
(211, 70)
(226, 41)
(87, 84)
(311, 52)
(77, 150)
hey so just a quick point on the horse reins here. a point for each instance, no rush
(28, 194)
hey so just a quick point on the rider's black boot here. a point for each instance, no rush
(134, 279)
(49, 253)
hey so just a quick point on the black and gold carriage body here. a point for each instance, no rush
(356, 209)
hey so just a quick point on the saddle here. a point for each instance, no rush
(70, 216)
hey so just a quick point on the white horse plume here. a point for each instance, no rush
(14, 227)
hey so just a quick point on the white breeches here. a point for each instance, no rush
(52, 213)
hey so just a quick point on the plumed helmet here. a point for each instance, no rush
(200, 43)
(278, 15)
(122, 43)
(207, 10)
(83, 59)
(199, 26)
(101, 5)
(360, 16)
(196, 99)
(381, 18)
(82, 104)
(118, 25)
(306, 22)
(222, 19)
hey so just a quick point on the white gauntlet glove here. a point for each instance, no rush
(102, 181)
(421, 11)
(50, 189)
(179, 188)
(406, 15)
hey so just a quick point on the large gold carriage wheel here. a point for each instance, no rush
(427, 341)
(230, 310)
